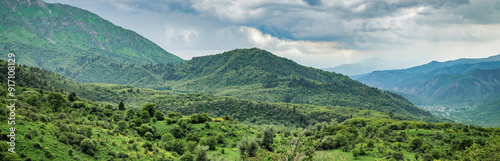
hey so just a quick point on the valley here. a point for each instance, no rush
(87, 89)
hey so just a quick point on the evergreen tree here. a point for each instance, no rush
(121, 106)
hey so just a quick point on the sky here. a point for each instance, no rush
(316, 33)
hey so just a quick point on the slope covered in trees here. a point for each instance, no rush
(53, 126)
(464, 90)
(256, 74)
(76, 43)
(83, 47)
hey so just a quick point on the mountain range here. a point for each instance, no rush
(83, 47)
(361, 67)
(86, 89)
(452, 89)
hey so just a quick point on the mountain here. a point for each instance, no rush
(259, 75)
(362, 67)
(53, 123)
(75, 43)
(454, 89)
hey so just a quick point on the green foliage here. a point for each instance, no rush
(201, 153)
(199, 118)
(150, 108)
(248, 147)
(159, 116)
(209, 141)
(145, 116)
(89, 146)
(57, 101)
(187, 156)
(416, 143)
(121, 106)
(267, 138)
(177, 131)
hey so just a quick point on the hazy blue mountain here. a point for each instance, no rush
(453, 89)
(362, 67)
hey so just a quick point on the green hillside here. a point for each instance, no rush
(76, 43)
(53, 126)
(258, 75)
(464, 90)
(85, 48)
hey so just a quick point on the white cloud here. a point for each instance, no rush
(326, 34)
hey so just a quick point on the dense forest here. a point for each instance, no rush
(54, 126)
(53, 123)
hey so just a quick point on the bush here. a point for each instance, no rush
(248, 147)
(88, 146)
(327, 143)
(199, 118)
(167, 137)
(398, 155)
(177, 131)
(174, 145)
(210, 141)
(149, 136)
(193, 136)
(187, 156)
(159, 116)
(416, 143)
(122, 125)
(201, 153)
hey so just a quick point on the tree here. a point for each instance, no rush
(130, 114)
(416, 143)
(159, 115)
(88, 146)
(201, 153)
(167, 137)
(72, 97)
(122, 125)
(177, 131)
(57, 101)
(144, 129)
(175, 145)
(150, 108)
(187, 156)
(355, 153)
(248, 147)
(33, 100)
(267, 138)
(121, 106)
(210, 141)
(145, 116)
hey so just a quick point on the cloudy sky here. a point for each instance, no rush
(317, 33)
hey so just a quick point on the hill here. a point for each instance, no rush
(83, 47)
(258, 75)
(451, 89)
(53, 126)
(53, 123)
(362, 67)
(75, 43)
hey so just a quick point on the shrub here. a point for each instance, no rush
(187, 156)
(201, 153)
(248, 147)
(398, 155)
(88, 146)
(159, 116)
(167, 137)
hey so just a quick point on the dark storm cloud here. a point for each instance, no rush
(313, 2)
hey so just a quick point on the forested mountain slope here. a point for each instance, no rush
(259, 75)
(63, 126)
(461, 90)
(76, 43)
